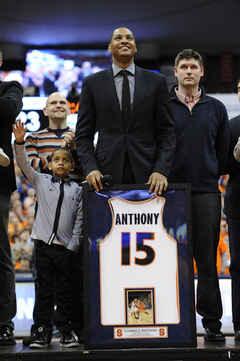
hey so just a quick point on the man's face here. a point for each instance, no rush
(61, 163)
(188, 72)
(122, 45)
(57, 107)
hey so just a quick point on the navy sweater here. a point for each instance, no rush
(202, 143)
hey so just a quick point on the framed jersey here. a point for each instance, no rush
(138, 270)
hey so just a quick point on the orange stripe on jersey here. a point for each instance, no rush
(45, 140)
(46, 150)
(44, 163)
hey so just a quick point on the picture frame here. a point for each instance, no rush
(138, 268)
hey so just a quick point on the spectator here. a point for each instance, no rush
(23, 187)
(30, 221)
(73, 95)
(24, 247)
(15, 196)
(24, 267)
(29, 203)
(15, 239)
(14, 225)
(17, 208)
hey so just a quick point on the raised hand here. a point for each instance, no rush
(19, 131)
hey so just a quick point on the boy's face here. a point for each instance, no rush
(61, 164)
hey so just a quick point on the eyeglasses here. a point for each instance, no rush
(55, 102)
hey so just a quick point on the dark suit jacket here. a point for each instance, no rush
(11, 94)
(232, 196)
(149, 138)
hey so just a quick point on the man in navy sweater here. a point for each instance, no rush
(202, 142)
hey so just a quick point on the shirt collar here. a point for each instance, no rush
(1, 79)
(189, 100)
(59, 180)
(117, 69)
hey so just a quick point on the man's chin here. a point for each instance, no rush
(126, 55)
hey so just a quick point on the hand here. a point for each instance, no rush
(69, 141)
(93, 178)
(19, 131)
(236, 151)
(158, 183)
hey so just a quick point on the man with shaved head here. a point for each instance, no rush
(41, 144)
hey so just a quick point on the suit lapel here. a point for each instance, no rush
(139, 93)
(111, 94)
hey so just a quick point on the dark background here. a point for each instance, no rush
(161, 28)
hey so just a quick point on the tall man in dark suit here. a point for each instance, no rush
(11, 94)
(232, 211)
(140, 150)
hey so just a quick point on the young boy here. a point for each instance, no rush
(57, 230)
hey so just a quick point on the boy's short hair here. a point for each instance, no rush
(62, 148)
(188, 54)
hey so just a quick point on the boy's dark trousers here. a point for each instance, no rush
(54, 265)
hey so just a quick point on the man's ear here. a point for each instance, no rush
(45, 111)
(1, 61)
(69, 109)
(50, 165)
(72, 167)
(109, 48)
(175, 71)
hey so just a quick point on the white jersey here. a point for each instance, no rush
(151, 261)
(133, 307)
